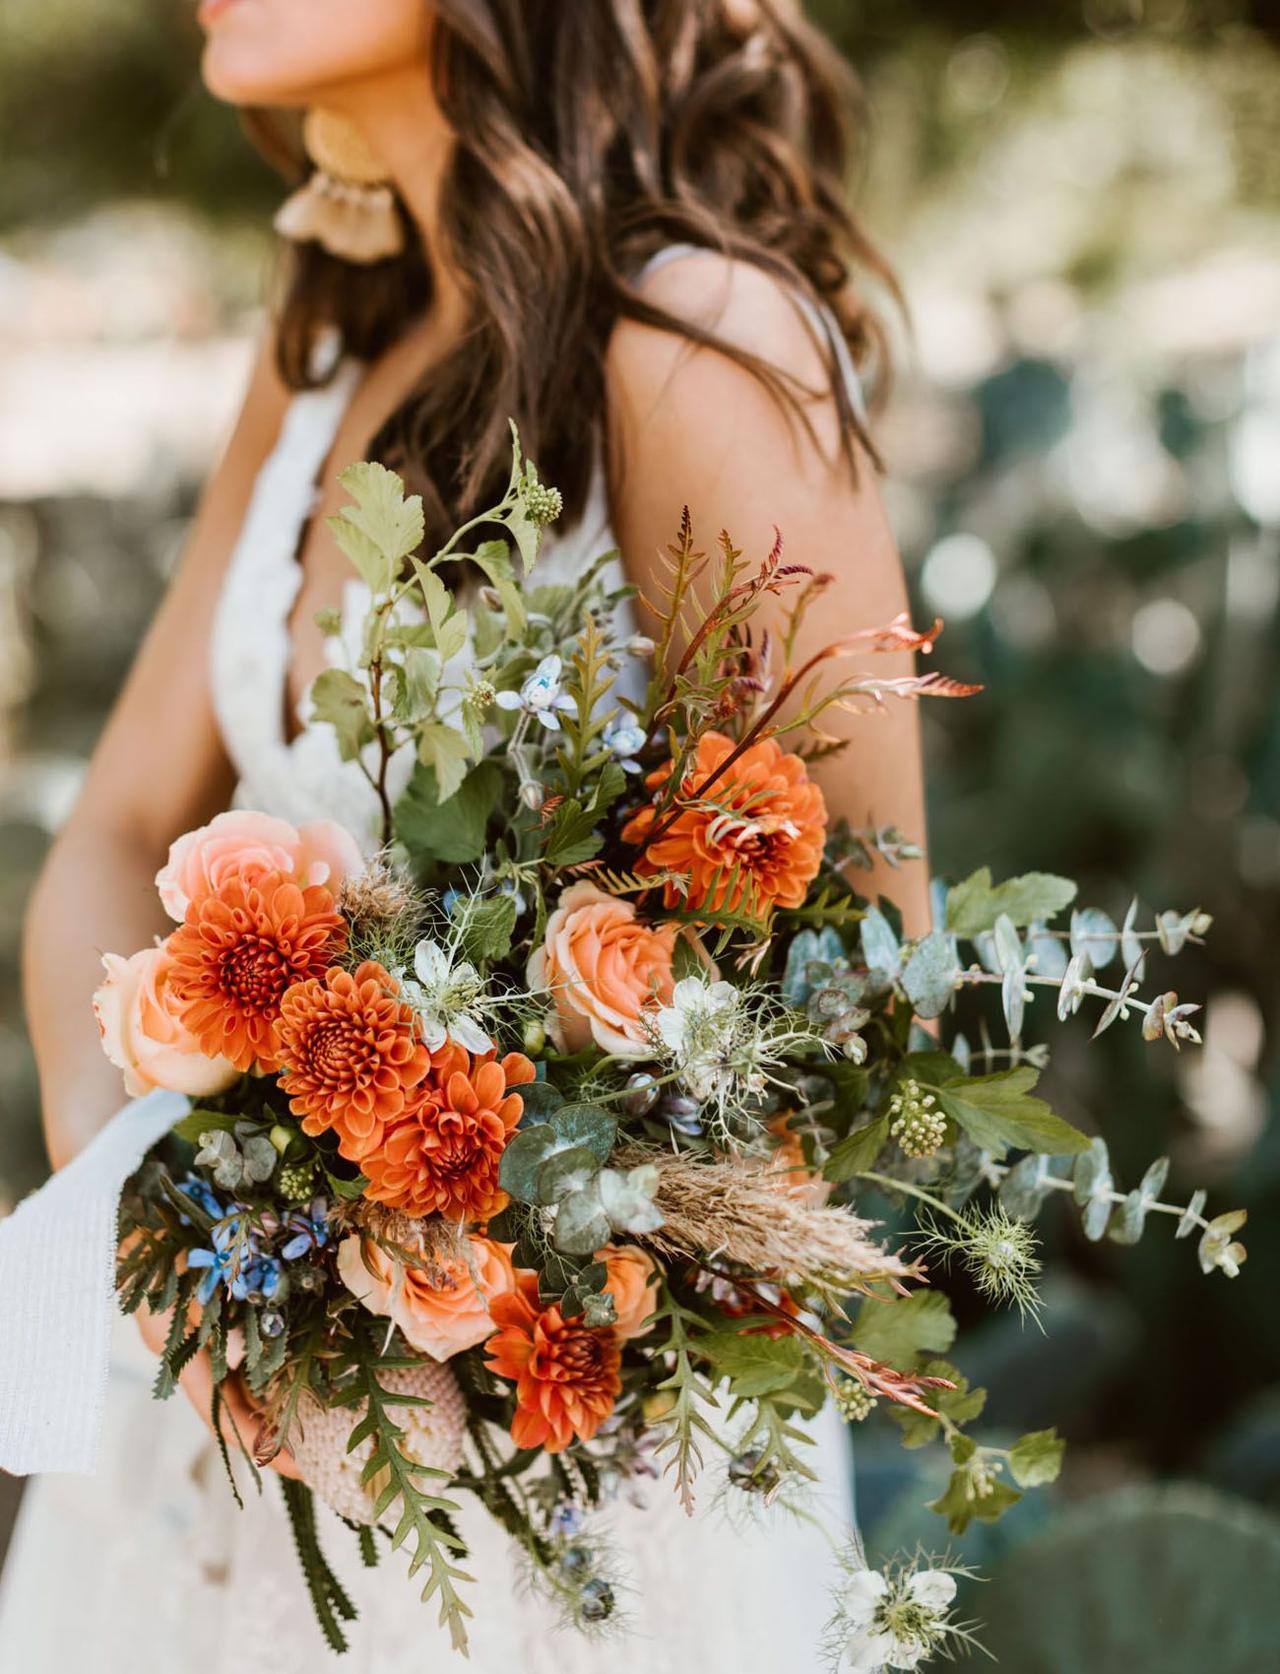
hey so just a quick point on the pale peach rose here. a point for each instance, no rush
(439, 1319)
(606, 971)
(248, 845)
(634, 1297)
(143, 1035)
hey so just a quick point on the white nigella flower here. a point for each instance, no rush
(712, 1039)
(894, 1623)
(446, 998)
(541, 695)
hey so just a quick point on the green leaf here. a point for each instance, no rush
(564, 1172)
(340, 701)
(448, 622)
(416, 685)
(960, 1510)
(997, 1112)
(525, 1154)
(585, 1124)
(897, 1332)
(540, 1100)
(488, 925)
(929, 980)
(974, 905)
(582, 1227)
(452, 830)
(1036, 1458)
(755, 1365)
(573, 837)
(444, 748)
(494, 559)
(960, 1405)
(381, 528)
(858, 1151)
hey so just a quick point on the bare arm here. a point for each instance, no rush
(689, 425)
(159, 769)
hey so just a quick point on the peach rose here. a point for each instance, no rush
(249, 845)
(606, 969)
(634, 1298)
(142, 1032)
(788, 1172)
(439, 1319)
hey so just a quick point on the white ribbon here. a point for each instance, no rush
(57, 1296)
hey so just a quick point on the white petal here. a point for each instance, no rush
(864, 1652)
(549, 719)
(549, 668)
(468, 1033)
(933, 1588)
(433, 1030)
(508, 700)
(431, 962)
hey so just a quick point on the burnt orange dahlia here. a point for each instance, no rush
(238, 952)
(442, 1155)
(754, 836)
(566, 1374)
(350, 1055)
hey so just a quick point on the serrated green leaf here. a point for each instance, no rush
(755, 1365)
(452, 830)
(446, 750)
(487, 926)
(857, 1152)
(340, 701)
(960, 1510)
(1036, 1458)
(997, 1112)
(897, 1332)
(382, 527)
(573, 837)
(974, 905)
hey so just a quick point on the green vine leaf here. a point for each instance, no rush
(381, 528)
(340, 701)
(997, 1112)
(897, 1332)
(974, 905)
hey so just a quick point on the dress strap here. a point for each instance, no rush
(818, 314)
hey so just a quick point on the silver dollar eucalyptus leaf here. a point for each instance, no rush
(1131, 949)
(1094, 932)
(1093, 1185)
(929, 980)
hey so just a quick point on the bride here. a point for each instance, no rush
(621, 223)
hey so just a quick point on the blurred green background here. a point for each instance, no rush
(1083, 202)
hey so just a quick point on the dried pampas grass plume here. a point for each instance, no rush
(727, 1210)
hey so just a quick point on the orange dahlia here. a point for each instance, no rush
(755, 834)
(565, 1373)
(238, 952)
(442, 1155)
(350, 1055)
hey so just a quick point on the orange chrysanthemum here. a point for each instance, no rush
(754, 837)
(350, 1054)
(566, 1374)
(238, 952)
(442, 1155)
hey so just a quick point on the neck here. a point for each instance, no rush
(403, 123)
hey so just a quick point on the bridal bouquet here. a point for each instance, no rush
(524, 1155)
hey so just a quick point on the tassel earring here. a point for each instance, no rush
(347, 206)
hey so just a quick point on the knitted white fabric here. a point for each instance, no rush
(57, 1296)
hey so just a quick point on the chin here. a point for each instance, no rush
(291, 52)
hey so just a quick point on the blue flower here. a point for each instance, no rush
(540, 696)
(310, 1229)
(257, 1281)
(626, 740)
(203, 1196)
(221, 1264)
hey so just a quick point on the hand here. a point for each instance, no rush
(238, 1412)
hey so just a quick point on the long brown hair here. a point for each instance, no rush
(589, 134)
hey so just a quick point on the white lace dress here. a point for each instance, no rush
(150, 1564)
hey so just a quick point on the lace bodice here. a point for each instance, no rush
(166, 1570)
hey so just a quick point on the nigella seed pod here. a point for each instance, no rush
(642, 1094)
(575, 1560)
(750, 1472)
(683, 1113)
(271, 1322)
(597, 1601)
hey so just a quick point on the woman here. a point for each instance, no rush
(621, 224)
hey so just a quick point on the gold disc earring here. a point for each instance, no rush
(347, 205)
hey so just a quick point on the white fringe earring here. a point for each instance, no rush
(347, 206)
